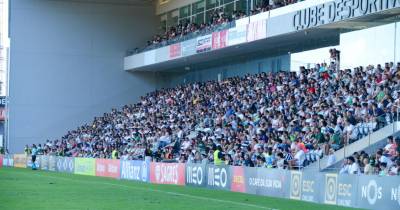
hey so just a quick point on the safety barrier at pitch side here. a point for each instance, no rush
(370, 192)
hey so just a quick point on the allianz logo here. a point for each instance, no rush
(217, 177)
(132, 172)
(194, 175)
(372, 192)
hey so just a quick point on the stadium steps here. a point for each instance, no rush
(369, 144)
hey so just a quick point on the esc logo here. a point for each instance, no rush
(330, 188)
(295, 185)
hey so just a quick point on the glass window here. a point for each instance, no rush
(241, 6)
(257, 3)
(212, 4)
(209, 15)
(229, 8)
(227, 1)
(198, 7)
(184, 11)
(163, 22)
(184, 20)
(163, 25)
(172, 18)
(198, 18)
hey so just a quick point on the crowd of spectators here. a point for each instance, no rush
(273, 120)
(218, 17)
(385, 162)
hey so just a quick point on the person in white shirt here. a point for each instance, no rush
(298, 158)
(383, 159)
(354, 168)
(345, 167)
(331, 157)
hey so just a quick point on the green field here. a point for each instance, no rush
(27, 189)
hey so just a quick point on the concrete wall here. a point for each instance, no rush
(67, 64)
(234, 68)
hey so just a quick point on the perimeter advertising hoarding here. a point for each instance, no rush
(204, 43)
(237, 35)
(108, 168)
(161, 54)
(219, 177)
(85, 166)
(167, 173)
(135, 170)
(175, 51)
(188, 47)
(378, 192)
(44, 162)
(195, 175)
(238, 179)
(52, 163)
(8, 160)
(250, 173)
(20, 160)
(1, 161)
(257, 30)
(270, 182)
(305, 186)
(219, 39)
(65, 164)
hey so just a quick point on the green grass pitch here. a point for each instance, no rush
(26, 189)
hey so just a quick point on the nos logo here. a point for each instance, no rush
(194, 175)
(372, 192)
(217, 177)
(65, 164)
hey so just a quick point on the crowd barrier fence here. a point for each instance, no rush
(359, 191)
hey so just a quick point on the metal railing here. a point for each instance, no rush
(181, 38)
(365, 130)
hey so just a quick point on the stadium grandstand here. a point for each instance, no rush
(286, 99)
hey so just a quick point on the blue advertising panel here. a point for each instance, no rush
(189, 47)
(195, 175)
(65, 164)
(219, 177)
(135, 170)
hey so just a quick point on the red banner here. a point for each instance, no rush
(2, 114)
(175, 50)
(238, 184)
(1, 161)
(107, 168)
(167, 173)
(219, 39)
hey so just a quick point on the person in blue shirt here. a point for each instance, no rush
(34, 153)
